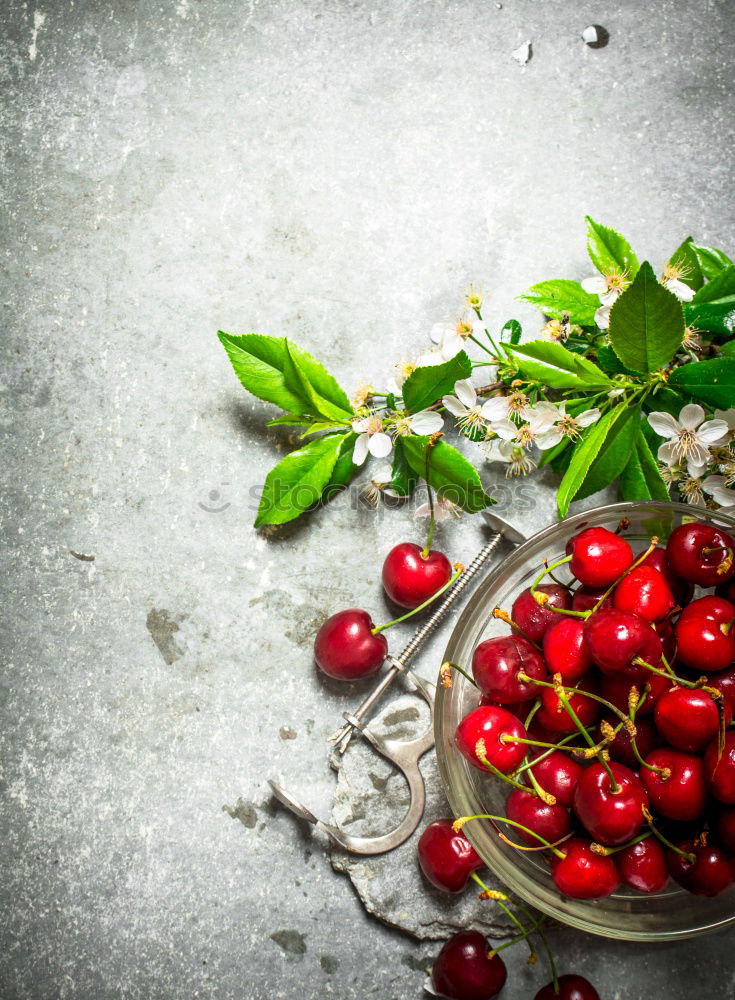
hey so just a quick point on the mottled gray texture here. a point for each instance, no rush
(336, 172)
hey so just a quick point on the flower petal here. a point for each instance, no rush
(454, 406)
(594, 285)
(667, 453)
(360, 425)
(382, 475)
(548, 439)
(728, 416)
(439, 332)
(424, 510)
(495, 408)
(602, 317)
(360, 451)
(715, 486)
(504, 429)
(609, 297)
(664, 424)
(680, 290)
(429, 359)
(588, 417)
(466, 392)
(711, 431)
(379, 444)
(451, 346)
(691, 416)
(426, 422)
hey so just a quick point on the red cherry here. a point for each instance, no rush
(599, 557)
(550, 822)
(491, 724)
(705, 635)
(726, 830)
(535, 619)
(463, 971)
(621, 749)
(586, 598)
(446, 856)
(582, 874)
(710, 874)
(558, 774)
(724, 682)
(611, 817)
(565, 651)
(701, 553)
(570, 988)
(720, 770)
(644, 592)
(345, 647)
(496, 664)
(683, 795)
(410, 578)
(554, 716)
(681, 589)
(615, 638)
(716, 609)
(642, 866)
(615, 688)
(688, 719)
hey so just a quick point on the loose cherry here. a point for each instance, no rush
(701, 553)
(615, 638)
(535, 619)
(493, 725)
(586, 598)
(681, 589)
(553, 715)
(565, 650)
(683, 794)
(551, 822)
(571, 987)
(720, 769)
(446, 856)
(496, 664)
(410, 577)
(582, 874)
(558, 774)
(346, 647)
(463, 970)
(599, 557)
(611, 813)
(709, 874)
(688, 719)
(705, 634)
(642, 866)
(644, 592)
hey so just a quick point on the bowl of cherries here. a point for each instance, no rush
(584, 721)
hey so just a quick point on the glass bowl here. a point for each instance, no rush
(671, 914)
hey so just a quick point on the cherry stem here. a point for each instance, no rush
(430, 444)
(561, 745)
(459, 823)
(639, 560)
(449, 665)
(503, 616)
(664, 840)
(504, 777)
(458, 571)
(547, 570)
(534, 708)
(639, 662)
(605, 852)
(508, 944)
(501, 899)
(555, 578)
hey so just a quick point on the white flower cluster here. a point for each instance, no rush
(698, 455)
(607, 287)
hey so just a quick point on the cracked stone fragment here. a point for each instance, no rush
(523, 53)
(595, 36)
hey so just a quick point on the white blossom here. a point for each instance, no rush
(443, 509)
(687, 438)
(716, 486)
(372, 439)
(471, 414)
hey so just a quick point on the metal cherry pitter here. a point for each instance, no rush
(404, 755)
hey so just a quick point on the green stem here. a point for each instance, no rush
(456, 666)
(479, 343)
(638, 661)
(432, 519)
(542, 756)
(519, 826)
(504, 777)
(547, 570)
(505, 908)
(410, 614)
(667, 843)
(516, 940)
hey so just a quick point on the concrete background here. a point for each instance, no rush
(336, 172)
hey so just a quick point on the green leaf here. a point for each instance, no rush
(259, 363)
(646, 323)
(296, 483)
(344, 468)
(554, 298)
(711, 262)
(555, 366)
(632, 483)
(656, 486)
(728, 349)
(404, 479)
(584, 454)
(425, 385)
(609, 251)
(615, 453)
(511, 332)
(611, 363)
(290, 420)
(685, 258)
(306, 376)
(450, 473)
(713, 307)
(711, 381)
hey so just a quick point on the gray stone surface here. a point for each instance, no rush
(336, 172)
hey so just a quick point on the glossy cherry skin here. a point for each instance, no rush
(586, 598)
(615, 638)
(705, 635)
(647, 738)
(582, 874)
(644, 592)
(724, 682)
(721, 772)
(446, 856)
(345, 647)
(550, 822)
(565, 650)
(557, 774)
(687, 555)
(554, 717)
(599, 557)
(643, 866)
(726, 829)
(611, 818)
(534, 618)
(462, 970)
(491, 723)
(710, 874)
(571, 987)
(496, 664)
(681, 589)
(409, 578)
(687, 719)
(683, 795)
